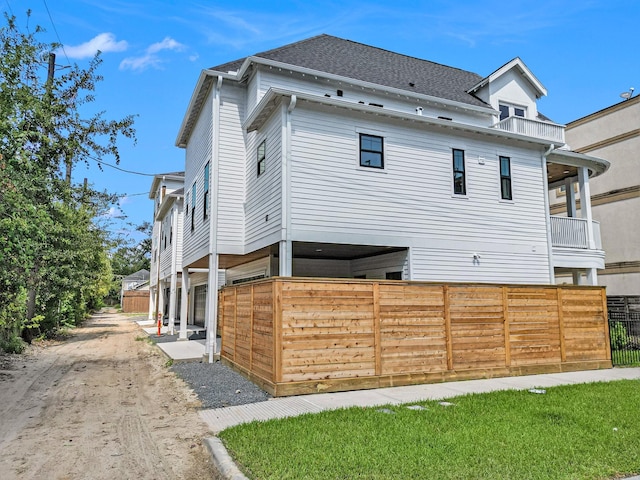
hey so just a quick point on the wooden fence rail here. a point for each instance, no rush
(302, 335)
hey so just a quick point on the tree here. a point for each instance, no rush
(53, 261)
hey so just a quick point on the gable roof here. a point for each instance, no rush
(346, 58)
(516, 64)
(140, 275)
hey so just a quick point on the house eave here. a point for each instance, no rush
(162, 177)
(597, 166)
(540, 90)
(273, 96)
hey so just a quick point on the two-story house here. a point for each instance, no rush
(330, 158)
(167, 192)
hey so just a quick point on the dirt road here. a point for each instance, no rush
(100, 405)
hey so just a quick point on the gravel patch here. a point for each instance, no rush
(218, 386)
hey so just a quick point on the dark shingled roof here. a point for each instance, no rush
(346, 58)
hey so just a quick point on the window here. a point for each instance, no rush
(371, 151)
(262, 157)
(205, 208)
(505, 178)
(510, 111)
(186, 200)
(394, 275)
(459, 183)
(193, 206)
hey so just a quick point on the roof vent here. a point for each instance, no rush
(419, 111)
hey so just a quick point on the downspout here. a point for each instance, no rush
(552, 276)
(212, 286)
(286, 254)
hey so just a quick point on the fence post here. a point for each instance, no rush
(507, 331)
(376, 328)
(447, 326)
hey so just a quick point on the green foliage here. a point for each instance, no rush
(53, 253)
(619, 336)
(13, 344)
(582, 431)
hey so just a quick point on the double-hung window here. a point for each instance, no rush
(459, 180)
(205, 208)
(371, 151)
(193, 207)
(262, 157)
(505, 178)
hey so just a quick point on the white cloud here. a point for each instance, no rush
(151, 57)
(105, 42)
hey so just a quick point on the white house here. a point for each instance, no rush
(166, 255)
(330, 158)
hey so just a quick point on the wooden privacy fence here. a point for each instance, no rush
(135, 301)
(302, 335)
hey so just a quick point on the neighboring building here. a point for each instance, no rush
(134, 293)
(612, 133)
(166, 251)
(330, 158)
(134, 281)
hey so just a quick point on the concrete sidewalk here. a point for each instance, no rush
(220, 418)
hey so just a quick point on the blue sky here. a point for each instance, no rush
(583, 52)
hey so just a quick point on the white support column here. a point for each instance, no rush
(174, 272)
(585, 204)
(571, 198)
(592, 276)
(152, 302)
(545, 186)
(184, 304)
(285, 259)
(576, 276)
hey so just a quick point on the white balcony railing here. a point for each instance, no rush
(532, 128)
(572, 232)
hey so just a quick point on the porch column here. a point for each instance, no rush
(576, 276)
(152, 302)
(585, 204)
(285, 266)
(592, 276)
(212, 308)
(174, 272)
(184, 304)
(570, 198)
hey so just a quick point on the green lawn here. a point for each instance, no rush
(572, 432)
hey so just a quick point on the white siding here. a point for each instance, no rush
(198, 153)
(410, 202)
(257, 268)
(231, 172)
(264, 193)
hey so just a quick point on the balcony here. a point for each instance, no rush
(571, 232)
(533, 128)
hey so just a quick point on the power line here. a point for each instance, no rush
(101, 162)
(56, 31)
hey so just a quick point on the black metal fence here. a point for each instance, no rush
(624, 334)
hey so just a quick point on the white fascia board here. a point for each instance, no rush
(160, 177)
(201, 87)
(253, 121)
(361, 83)
(516, 62)
(596, 165)
(168, 202)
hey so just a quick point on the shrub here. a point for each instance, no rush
(619, 336)
(13, 344)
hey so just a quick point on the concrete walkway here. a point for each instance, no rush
(220, 418)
